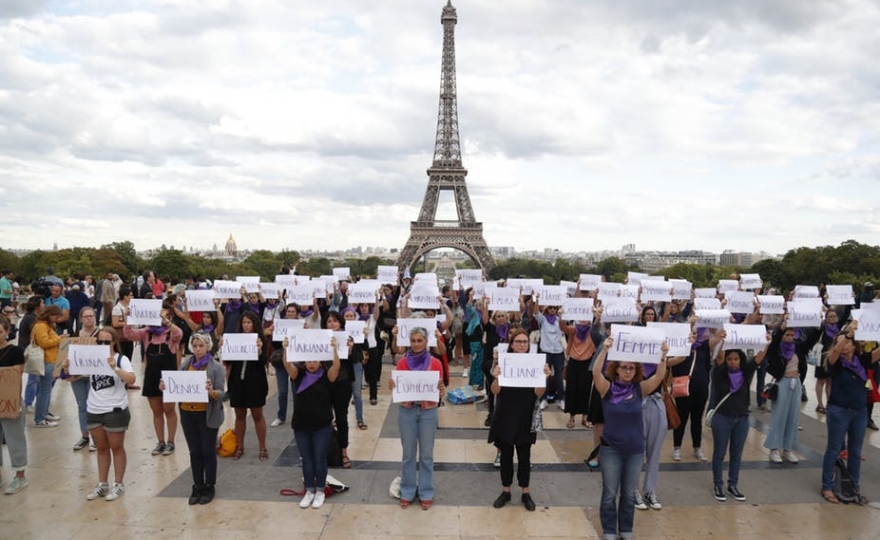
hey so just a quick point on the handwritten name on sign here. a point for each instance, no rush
(251, 283)
(608, 291)
(677, 335)
(740, 302)
(772, 304)
(282, 327)
(629, 291)
(620, 310)
(342, 338)
(342, 273)
(707, 303)
(482, 289)
(522, 370)
(387, 274)
(577, 309)
(147, 312)
(227, 289)
(806, 292)
(589, 282)
(750, 282)
(503, 299)
(362, 293)
(840, 295)
(635, 278)
(468, 277)
(711, 318)
(88, 360)
(309, 344)
(636, 344)
(200, 301)
(869, 324)
(705, 292)
(239, 347)
(10, 392)
(569, 286)
(285, 281)
(415, 386)
(301, 294)
(681, 289)
(745, 336)
(355, 330)
(656, 291)
(805, 313)
(406, 326)
(185, 386)
(270, 290)
(551, 295)
(528, 285)
(725, 285)
(423, 297)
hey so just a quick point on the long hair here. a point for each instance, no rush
(114, 336)
(611, 371)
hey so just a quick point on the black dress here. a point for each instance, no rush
(512, 421)
(248, 385)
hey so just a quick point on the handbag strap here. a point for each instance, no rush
(693, 362)
(718, 405)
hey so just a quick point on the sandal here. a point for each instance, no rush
(587, 425)
(820, 409)
(346, 462)
(361, 425)
(238, 453)
(570, 424)
(828, 495)
(405, 503)
(264, 454)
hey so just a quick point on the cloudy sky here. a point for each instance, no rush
(672, 124)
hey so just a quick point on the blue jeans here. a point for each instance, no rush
(784, 415)
(417, 430)
(312, 446)
(284, 387)
(357, 391)
(620, 475)
(30, 390)
(843, 424)
(44, 394)
(760, 378)
(732, 430)
(557, 362)
(80, 389)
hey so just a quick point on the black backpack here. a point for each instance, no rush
(844, 486)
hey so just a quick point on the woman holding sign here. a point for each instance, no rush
(341, 390)
(622, 386)
(160, 345)
(417, 422)
(12, 429)
(249, 386)
(313, 421)
(512, 425)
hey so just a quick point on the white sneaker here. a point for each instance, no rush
(115, 492)
(774, 456)
(275, 423)
(319, 499)
(640, 503)
(307, 499)
(789, 456)
(543, 404)
(52, 418)
(18, 483)
(561, 404)
(698, 453)
(653, 502)
(676, 454)
(30, 409)
(99, 491)
(46, 423)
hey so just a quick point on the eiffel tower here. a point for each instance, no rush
(447, 174)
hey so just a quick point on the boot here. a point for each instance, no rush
(207, 494)
(196, 493)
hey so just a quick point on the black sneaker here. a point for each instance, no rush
(735, 493)
(196, 493)
(528, 502)
(497, 463)
(502, 499)
(719, 494)
(207, 494)
(488, 421)
(872, 424)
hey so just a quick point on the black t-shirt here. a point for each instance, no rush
(738, 403)
(11, 355)
(313, 408)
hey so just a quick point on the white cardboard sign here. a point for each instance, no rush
(239, 347)
(589, 282)
(840, 295)
(805, 313)
(577, 309)
(88, 360)
(359, 293)
(387, 274)
(146, 312)
(740, 302)
(745, 336)
(404, 326)
(677, 335)
(522, 370)
(282, 328)
(415, 386)
(503, 299)
(251, 283)
(636, 344)
(227, 289)
(656, 291)
(711, 318)
(306, 344)
(771, 304)
(185, 386)
(620, 310)
(200, 301)
(551, 295)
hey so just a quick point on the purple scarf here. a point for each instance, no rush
(201, 363)
(581, 331)
(208, 328)
(309, 379)
(620, 391)
(739, 317)
(853, 365)
(649, 369)
(787, 349)
(502, 331)
(233, 305)
(306, 313)
(157, 330)
(831, 330)
(736, 379)
(254, 307)
(702, 334)
(418, 362)
(550, 318)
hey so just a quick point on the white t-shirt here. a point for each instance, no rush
(107, 392)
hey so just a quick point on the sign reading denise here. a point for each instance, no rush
(185, 386)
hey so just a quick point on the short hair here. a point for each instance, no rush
(33, 303)
(512, 333)
(124, 290)
(419, 330)
(203, 337)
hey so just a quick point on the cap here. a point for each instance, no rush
(868, 284)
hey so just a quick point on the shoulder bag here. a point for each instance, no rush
(681, 385)
(673, 420)
(35, 360)
(711, 412)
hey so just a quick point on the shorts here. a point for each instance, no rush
(114, 421)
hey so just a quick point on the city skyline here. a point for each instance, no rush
(744, 126)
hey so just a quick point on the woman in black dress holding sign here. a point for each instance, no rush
(512, 425)
(248, 387)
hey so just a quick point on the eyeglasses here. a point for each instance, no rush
(104, 342)
(9, 311)
(626, 368)
(521, 341)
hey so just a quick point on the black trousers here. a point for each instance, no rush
(201, 441)
(523, 460)
(340, 395)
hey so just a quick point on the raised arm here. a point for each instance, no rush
(654, 381)
(602, 384)
(333, 372)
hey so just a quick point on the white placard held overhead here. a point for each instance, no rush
(424, 297)
(569, 286)
(750, 282)
(711, 318)
(635, 278)
(681, 289)
(251, 283)
(387, 274)
(185, 386)
(88, 360)
(469, 277)
(656, 291)
(869, 324)
(282, 328)
(503, 299)
(405, 326)
(577, 309)
(227, 289)
(840, 295)
(285, 281)
(342, 344)
(619, 310)
(745, 336)
(705, 292)
(805, 313)
(342, 273)
(805, 292)
(707, 303)
(415, 386)
(270, 291)
(304, 344)
(726, 285)
(551, 295)
(773, 304)
(589, 282)
(303, 295)
(522, 370)
(428, 279)
(481, 289)
(677, 335)
(528, 285)
(145, 312)
(608, 291)
(200, 301)
(629, 291)
(740, 302)
(355, 330)
(239, 347)
(636, 344)
(362, 293)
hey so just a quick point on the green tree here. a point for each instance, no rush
(128, 256)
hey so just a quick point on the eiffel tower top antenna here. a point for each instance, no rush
(447, 145)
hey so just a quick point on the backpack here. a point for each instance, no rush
(334, 451)
(844, 486)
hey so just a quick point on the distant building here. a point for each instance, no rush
(231, 247)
